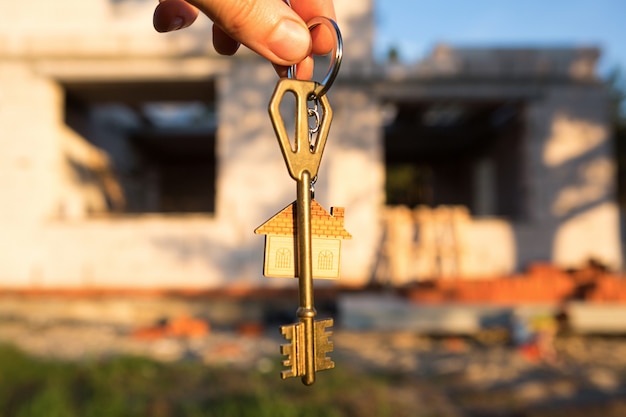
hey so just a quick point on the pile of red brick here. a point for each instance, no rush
(180, 327)
(542, 283)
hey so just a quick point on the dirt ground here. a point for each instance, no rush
(575, 376)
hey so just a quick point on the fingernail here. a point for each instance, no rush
(175, 24)
(290, 41)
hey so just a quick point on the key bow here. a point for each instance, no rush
(301, 156)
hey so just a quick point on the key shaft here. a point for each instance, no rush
(306, 312)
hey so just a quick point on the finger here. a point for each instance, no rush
(223, 43)
(308, 9)
(268, 27)
(172, 15)
(305, 69)
(281, 70)
(323, 38)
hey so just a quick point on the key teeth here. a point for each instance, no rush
(285, 349)
(323, 345)
(288, 351)
(288, 362)
(290, 332)
(287, 374)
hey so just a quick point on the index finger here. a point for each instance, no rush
(322, 38)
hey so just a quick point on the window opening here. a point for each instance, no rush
(155, 142)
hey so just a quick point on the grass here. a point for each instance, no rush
(135, 386)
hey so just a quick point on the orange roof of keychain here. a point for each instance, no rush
(327, 231)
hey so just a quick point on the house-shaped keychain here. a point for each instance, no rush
(281, 247)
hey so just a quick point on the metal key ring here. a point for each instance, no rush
(335, 62)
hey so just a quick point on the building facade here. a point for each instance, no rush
(132, 159)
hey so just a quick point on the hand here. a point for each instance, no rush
(269, 27)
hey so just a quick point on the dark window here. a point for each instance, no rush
(159, 142)
(456, 153)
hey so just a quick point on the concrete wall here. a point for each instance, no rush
(50, 238)
(570, 171)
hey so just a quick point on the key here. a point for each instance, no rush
(309, 340)
(303, 160)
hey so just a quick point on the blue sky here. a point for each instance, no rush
(415, 26)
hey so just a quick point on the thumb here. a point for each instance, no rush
(268, 27)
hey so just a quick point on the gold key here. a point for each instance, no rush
(309, 339)
(303, 160)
